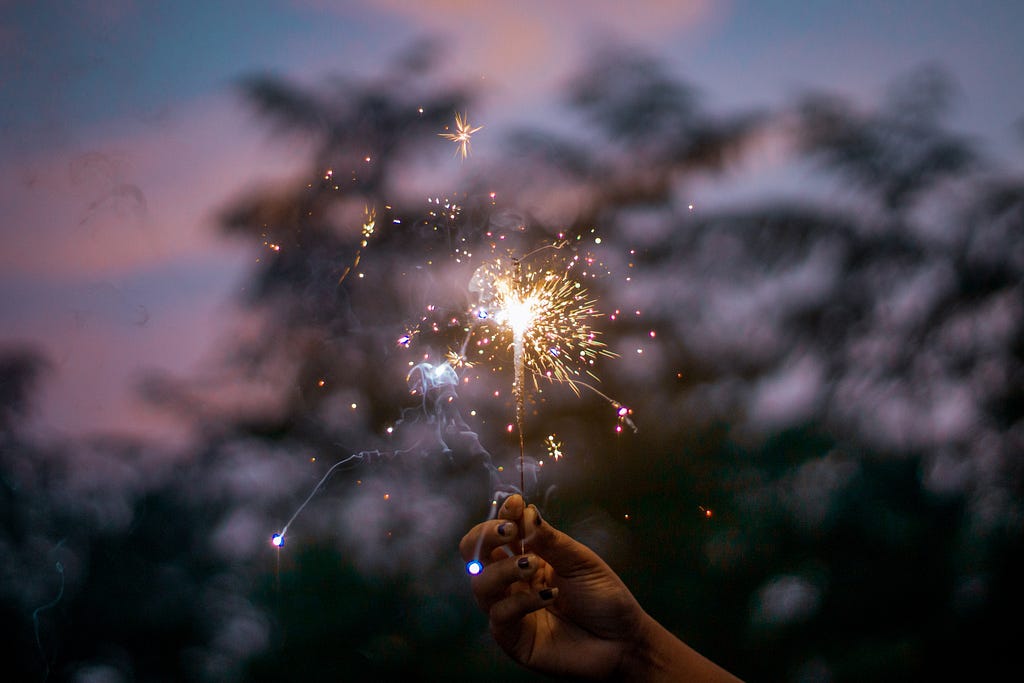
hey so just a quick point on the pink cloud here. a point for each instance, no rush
(112, 262)
(531, 45)
(136, 196)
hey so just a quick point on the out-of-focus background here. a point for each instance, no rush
(229, 231)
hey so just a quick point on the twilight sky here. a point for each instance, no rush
(122, 134)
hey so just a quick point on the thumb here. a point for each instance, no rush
(566, 555)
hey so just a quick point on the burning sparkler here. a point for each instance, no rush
(546, 318)
(539, 312)
(463, 131)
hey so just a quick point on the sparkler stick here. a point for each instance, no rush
(520, 320)
(520, 315)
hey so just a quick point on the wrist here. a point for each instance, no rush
(656, 655)
(641, 659)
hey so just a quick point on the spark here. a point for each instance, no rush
(457, 360)
(463, 131)
(554, 447)
(369, 224)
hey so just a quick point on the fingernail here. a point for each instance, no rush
(536, 520)
(503, 529)
(523, 562)
(548, 594)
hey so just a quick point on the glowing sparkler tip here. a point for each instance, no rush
(277, 540)
(474, 567)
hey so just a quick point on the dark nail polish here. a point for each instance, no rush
(523, 562)
(547, 594)
(503, 529)
(536, 520)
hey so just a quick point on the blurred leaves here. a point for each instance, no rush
(632, 98)
(896, 153)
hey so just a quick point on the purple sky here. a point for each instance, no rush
(123, 135)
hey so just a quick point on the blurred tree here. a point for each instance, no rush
(20, 371)
(864, 360)
(895, 153)
(837, 383)
(336, 328)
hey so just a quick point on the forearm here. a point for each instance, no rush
(657, 656)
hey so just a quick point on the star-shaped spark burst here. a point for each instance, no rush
(463, 131)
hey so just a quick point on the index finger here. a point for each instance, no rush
(485, 538)
(513, 507)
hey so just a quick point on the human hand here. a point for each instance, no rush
(560, 609)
